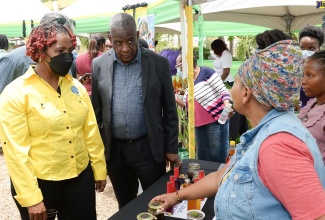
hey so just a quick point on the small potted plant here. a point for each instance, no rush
(195, 214)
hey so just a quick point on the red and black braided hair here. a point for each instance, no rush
(44, 36)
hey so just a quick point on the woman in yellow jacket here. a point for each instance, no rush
(49, 134)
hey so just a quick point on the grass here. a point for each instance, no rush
(234, 67)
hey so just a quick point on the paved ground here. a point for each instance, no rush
(106, 201)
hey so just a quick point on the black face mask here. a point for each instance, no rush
(61, 64)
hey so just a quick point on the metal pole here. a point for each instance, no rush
(55, 5)
(134, 13)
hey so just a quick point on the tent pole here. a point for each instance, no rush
(55, 5)
(134, 13)
(201, 36)
(189, 58)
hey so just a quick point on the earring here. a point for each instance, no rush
(40, 59)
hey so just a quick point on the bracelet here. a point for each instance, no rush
(177, 196)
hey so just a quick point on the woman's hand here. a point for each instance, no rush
(226, 102)
(37, 212)
(168, 200)
(100, 185)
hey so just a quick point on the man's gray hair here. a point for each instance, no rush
(122, 20)
(51, 16)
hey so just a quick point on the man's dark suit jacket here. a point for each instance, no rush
(158, 100)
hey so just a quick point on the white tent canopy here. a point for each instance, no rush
(286, 15)
(18, 10)
(87, 8)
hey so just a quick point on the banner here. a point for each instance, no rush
(146, 28)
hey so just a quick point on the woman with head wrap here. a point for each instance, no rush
(277, 171)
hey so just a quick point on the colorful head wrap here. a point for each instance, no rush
(274, 74)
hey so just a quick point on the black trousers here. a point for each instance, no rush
(130, 161)
(72, 198)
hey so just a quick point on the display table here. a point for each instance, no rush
(140, 204)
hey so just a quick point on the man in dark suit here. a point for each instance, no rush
(133, 99)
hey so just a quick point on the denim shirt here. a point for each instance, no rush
(243, 194)
(127, 104)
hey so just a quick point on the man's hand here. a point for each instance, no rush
(100, 185)
(37, 212)
(173, 159)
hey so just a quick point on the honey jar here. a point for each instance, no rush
(145, 216)
(192, 168)
(153, 208)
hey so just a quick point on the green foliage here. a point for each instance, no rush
(295, 36)
(208, 41)
(84, 41)
(183, 133)
(245, 47)
(230, 38)
(206, 52)
(165, 41)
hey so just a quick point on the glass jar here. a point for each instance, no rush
(145, 216)
(192, 167)
(153, 208)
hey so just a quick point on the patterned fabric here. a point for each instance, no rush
(274, 74)
(209, 92)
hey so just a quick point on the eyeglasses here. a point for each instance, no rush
(62, 21)
(178, 65)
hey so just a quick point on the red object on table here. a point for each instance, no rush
(172, 180)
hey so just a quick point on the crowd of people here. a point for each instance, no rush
(115, 114)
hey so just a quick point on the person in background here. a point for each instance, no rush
(133, 99)
(108, 45)
(57, 160)
(210, 97)
(73, 69)
(238, 123)
(311, 38)
(312, 115)
(96, 48)
(269, 37)
(171, 55)
(223, 61)
(277, 162)
(4, 45)
(143, 43)
(15, 63)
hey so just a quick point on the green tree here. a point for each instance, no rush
(165, 41)
(245, 47)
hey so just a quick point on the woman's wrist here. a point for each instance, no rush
(179, 200)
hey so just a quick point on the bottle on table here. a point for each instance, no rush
(225, 113)
(174, 83)
(172, 180)
(191, 204)
(232, 149)
(192, 167)
(177, 180)
(169, 190)
(198, 201)
(201, 176)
